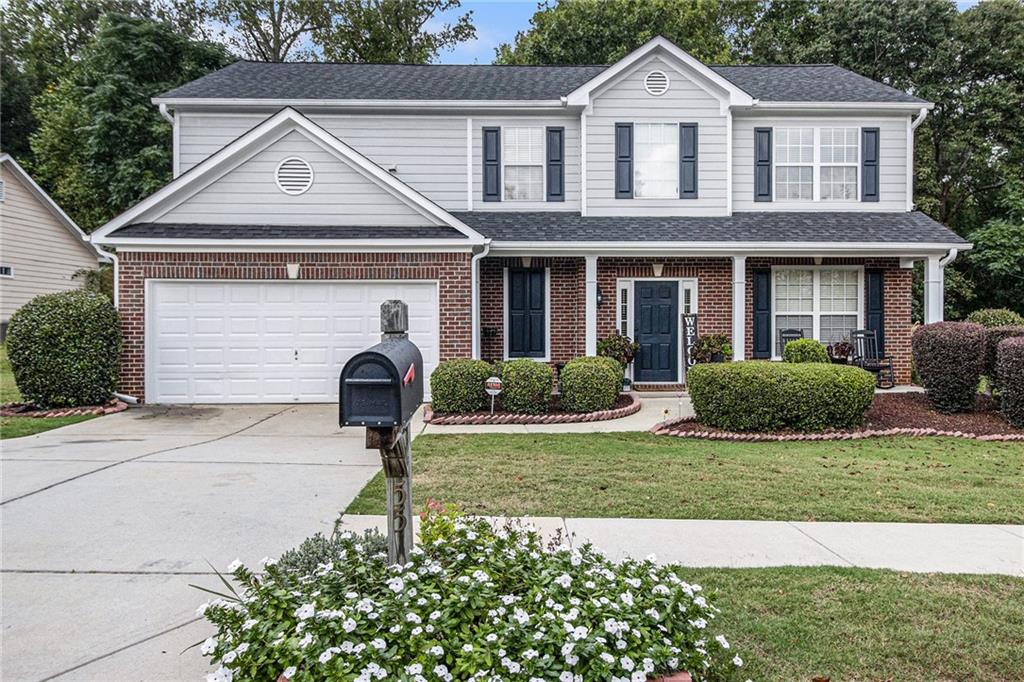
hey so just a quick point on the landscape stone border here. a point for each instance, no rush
(667, 428)
(19, 410)
(513, 418)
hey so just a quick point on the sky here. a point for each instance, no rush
(498, 21)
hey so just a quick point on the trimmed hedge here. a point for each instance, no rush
(805, 350)
(457, 386)
(993, 337)
(949, 357)
(526, 386)
(996, 317)
(590, 384)
(768, 396)
(1010, 363)
(65, 349)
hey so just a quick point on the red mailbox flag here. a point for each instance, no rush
(409, 375)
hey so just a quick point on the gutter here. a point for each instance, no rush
(918, 121)
(166, 114)
(474, 270)
(948, 258)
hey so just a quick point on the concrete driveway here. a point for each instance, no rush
(105, 523)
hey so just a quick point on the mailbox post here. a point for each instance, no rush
(381, 388)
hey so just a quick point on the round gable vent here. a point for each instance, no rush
(294, 176)
(656, 83)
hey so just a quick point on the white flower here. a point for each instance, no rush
(270, 561)
(491, 637)
(306, 640)
(607, 657)
(564, 580)
(248, 625)
(242, 648)
(467, 648)
(221, 674)
(627, 598)
(436, 650)
(627, 663)
(326, 656)
(396, 585)
(202, 608)
(229, 657)
(289, 672)
(737, 661)
(379, 644)
(566, 676)
(349, 625)
(234, 566)
(414, 669)
(638, 676)
(722, 640)
(305, 611)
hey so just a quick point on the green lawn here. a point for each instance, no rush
(643, 476)
(858, 624)
(16, 427)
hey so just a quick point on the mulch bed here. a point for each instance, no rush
(891, 414)
(625, 405)
(23, 410)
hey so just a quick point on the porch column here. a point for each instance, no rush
(739, 307)
(590, 276)
(933, 285)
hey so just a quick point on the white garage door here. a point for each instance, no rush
(252, 342)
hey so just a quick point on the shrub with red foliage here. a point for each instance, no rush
(993, 337)
(949, 357)
(1010, 368)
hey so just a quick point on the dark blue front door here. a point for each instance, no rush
(656, 315)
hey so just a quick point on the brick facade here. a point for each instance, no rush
(451, 270)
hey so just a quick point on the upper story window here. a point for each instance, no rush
(523, 160)
(656, 162)
(816, 164)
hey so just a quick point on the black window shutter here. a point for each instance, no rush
(762, 314)
(869, 164)
(527, 304)
(762, 164)
(687, 160)
(876, 305)
(556, 164)
(492, 164)
(623, 160)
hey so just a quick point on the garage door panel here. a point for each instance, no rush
(270, 341)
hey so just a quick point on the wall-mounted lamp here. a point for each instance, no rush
(600, 297)
(818, 260)
(293, 270)
(658, 269)
(527, 260)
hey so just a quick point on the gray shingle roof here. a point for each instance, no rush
(282, 232)
(303, 81)
(847, 227)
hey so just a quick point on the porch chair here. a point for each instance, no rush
(787, 335)
(867, 357)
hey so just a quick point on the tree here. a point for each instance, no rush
(603, 31)
(393, 31)
(272, 30)
(998, 254)
(101, 145)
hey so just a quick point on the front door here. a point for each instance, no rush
(656, 316)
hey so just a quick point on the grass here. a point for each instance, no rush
(859, 624)
(643, 476)
(16, 427)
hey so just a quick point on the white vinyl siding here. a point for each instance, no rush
(626, 101)
(655, 160)
(892, 164)
(42, 254)
(523, 164)
(825, 303)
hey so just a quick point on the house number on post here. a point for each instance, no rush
(493, 387)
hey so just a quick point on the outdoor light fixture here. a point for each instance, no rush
(293, 270)
(526, 261)
(658, 268)
(817, 260)
(600, 297)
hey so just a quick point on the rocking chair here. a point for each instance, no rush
(867, 357)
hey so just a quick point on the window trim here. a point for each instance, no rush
(9, 275)
(543, 165)
(815, 311)
(816, 163)
(505, 319)
(636, 160)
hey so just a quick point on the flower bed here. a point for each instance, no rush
(625, 405)
(892, 414)
(473, 603)
(23, 410)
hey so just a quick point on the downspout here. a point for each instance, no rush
(948, 258)
(123, 397)
(919, 120)
(474, 268)
(167, 116)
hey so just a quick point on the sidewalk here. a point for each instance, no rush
(917, 547)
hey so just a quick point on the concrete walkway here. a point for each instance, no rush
(917, 547)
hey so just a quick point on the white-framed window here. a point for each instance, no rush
(824, 302)
(6, 271)
(523, 164)
(816, 164)
(656, 160)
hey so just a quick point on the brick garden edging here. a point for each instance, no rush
(667, 429)
(509, 418)
(13, 410)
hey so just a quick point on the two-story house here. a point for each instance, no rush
(521, 212)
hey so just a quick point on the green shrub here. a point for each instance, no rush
(319, 549)
(996, 317)
(476, 603)
(993, 337)
(590, 384)
(65, 349)
(1010, 363)
(805, 350)
(768, 396)
(457, 386)
(949, 357)
(526, 386)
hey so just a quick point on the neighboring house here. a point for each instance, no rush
(41, 248)
(522, 212)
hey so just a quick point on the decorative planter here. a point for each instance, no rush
(718, 357)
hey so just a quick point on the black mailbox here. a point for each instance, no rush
(381, 386)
